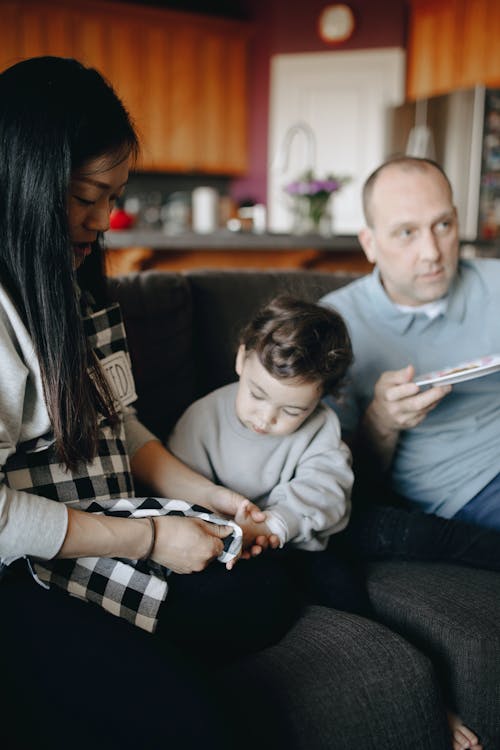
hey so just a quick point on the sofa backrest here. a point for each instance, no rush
(224, 301)
(158, 316)
(183, 328)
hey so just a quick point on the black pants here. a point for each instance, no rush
(221, 614)
(391, 532)
(281, 580)
(329, 579)
(74, 676)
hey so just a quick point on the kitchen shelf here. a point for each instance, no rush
(226, 240)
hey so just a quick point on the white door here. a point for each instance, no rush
(343, 97)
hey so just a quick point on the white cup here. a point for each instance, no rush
(205, 205)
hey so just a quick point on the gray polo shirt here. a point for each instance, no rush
(443, 462)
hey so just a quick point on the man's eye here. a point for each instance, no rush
(405, 233)
(443, 226)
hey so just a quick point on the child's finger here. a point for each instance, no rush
(256, 514)
(274, 541)
(262, 541)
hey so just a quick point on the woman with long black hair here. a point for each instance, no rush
(70, 443)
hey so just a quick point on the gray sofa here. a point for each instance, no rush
(181, 330)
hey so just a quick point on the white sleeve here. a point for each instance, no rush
(315, 503)
(29, 524)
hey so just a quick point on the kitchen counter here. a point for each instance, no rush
(142, 250)
(223, 239)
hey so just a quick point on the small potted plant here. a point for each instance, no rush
(311, 199)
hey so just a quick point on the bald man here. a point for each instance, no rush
(423, 309)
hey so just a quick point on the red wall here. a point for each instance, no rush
(284, 26)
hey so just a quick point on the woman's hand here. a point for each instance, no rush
(187, 545)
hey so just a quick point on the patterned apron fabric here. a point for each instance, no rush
(130, 589)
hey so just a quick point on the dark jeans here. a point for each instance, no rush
(325, 578)
(390, 532)
(484, 508)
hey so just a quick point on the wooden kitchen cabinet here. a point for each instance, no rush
(433, 47)
(481, 50)
(452, 44)
(182, 76)
(198, 120)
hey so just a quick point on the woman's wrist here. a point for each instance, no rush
(152, 538)
(93, 534)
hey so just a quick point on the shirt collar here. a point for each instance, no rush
(399, 320)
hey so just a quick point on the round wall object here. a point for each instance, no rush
(336, 23)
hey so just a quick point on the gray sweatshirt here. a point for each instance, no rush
(302, 480)
(30, 524)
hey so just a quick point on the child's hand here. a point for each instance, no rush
(256, 534)
(226, 502)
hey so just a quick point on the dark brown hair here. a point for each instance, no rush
(399, 160)
(294, 338)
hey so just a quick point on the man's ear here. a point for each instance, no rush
(240, 359)
(367, 242)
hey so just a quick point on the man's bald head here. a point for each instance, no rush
(404, 163)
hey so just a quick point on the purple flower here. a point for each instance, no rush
(308, 185)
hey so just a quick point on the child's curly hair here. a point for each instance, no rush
(294, 338)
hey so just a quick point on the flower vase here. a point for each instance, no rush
(311, 216)
(325, 224)
(302, 222)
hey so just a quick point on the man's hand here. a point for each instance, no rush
(187, 545)
(398, 404)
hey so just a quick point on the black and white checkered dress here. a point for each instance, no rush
(130, 589)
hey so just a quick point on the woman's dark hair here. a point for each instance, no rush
(297, 339)
(55, 115)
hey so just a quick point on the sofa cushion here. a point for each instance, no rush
(393, 702)
(452, 614)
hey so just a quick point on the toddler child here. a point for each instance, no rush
(269, 437)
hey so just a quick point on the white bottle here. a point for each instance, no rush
(259, 225)
(205, 206)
